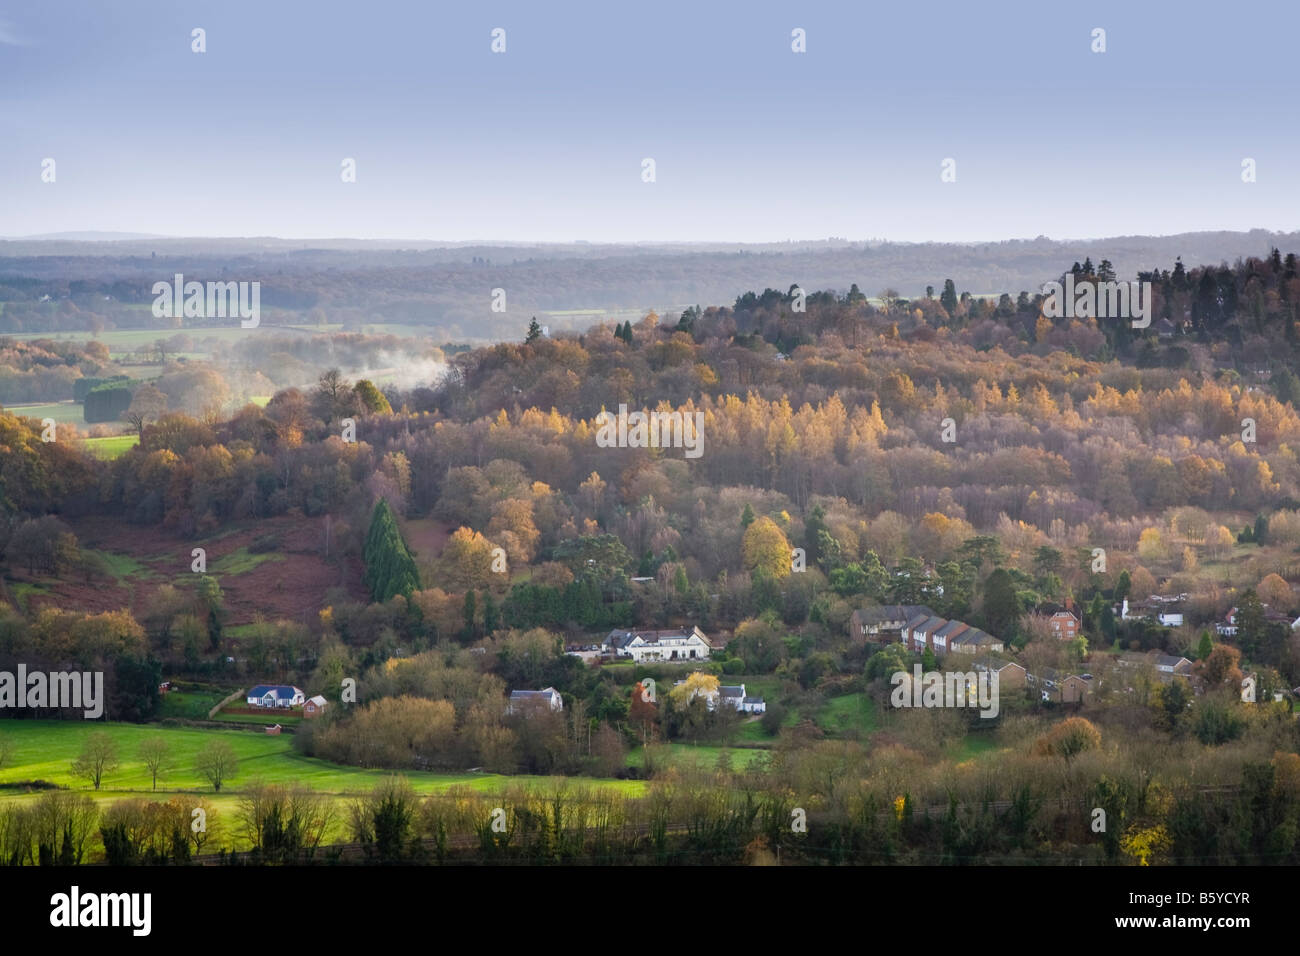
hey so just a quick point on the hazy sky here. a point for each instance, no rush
(751, 141)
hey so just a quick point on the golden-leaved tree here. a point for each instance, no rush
(766, 548)
(698, 684)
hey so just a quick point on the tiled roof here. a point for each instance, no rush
(893, 612)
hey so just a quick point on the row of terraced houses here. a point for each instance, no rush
(918, 627)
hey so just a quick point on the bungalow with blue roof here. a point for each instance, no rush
(274, 695)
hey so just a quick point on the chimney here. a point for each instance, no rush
(1069, 604)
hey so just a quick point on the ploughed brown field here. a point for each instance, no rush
(291, 584)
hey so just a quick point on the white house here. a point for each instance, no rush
(675, 645)
(736, 696)
(732, 695)
(274, 695)
(1229, 625)
(886, 622)
(1154, 609)
(523, 701)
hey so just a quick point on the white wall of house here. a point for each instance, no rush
(689, 648)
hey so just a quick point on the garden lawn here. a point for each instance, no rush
(187, 704)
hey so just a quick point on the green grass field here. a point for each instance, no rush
(700, 756)
(852, 713)
(63, 413)
(751, 732)
(756, 685)
(242, 561)
(22, 590)
(240, 630)
(122, 566)
(45, 750)
(113, 446)
(973, 747)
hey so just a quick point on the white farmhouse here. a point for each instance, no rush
(674, 645)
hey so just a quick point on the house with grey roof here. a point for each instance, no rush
(975, 641)
(1010, 674)
(679, 644)
(946, 635)
(922, 634)
(1171, 664)
(885, 623)
(735, 696)
(533, 701)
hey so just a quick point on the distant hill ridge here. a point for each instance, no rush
(448, 286)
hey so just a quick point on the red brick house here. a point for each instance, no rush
(1065, 626)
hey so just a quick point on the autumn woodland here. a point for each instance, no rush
(412, 528)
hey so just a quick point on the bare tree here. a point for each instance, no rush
(97, 758)
(148, 404)
(332, 394)
(210, 826)
(217, 762)
(156, 755)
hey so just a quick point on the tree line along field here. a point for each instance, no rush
(44, 750)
